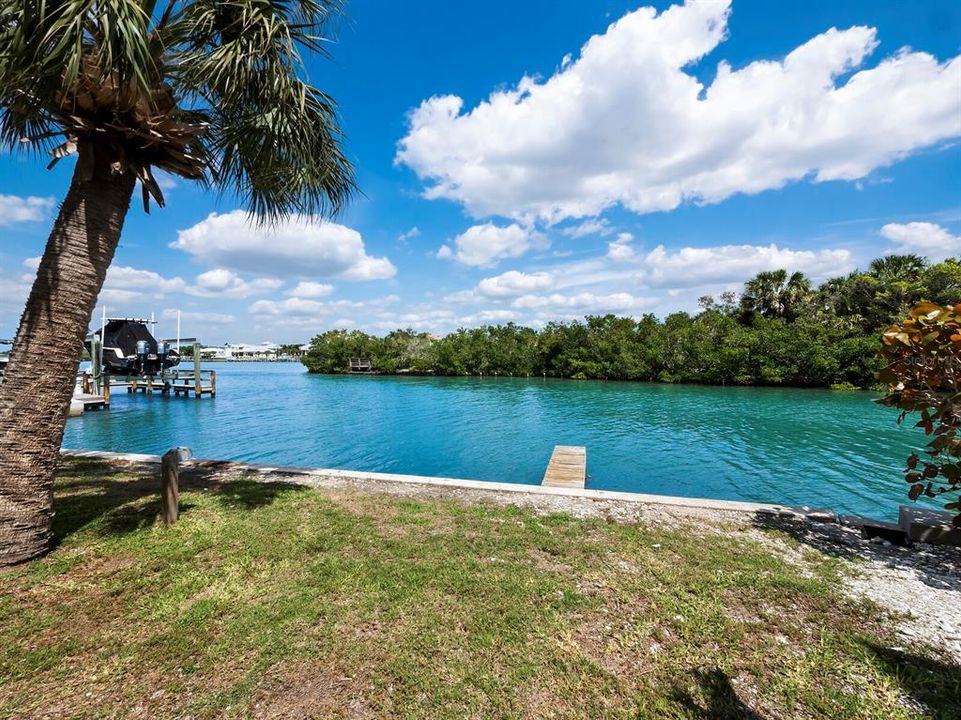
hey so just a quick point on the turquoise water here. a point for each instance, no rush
(799, 447)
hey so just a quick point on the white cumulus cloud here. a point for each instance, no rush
(123, 277)
(291, 306)
(125, 284)
(309, 289)
(628, 123)
(15, 209)
(584, 302)
(489, 316)
(224, 283)
(13, 296)
(924, 238)
(294, 307)
(484, 245)
(689, 266)
(621, 249)
(294, 248)
(514, 283)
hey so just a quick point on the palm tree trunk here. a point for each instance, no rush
(41, 375)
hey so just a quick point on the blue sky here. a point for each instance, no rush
(543, 160)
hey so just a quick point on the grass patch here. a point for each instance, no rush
(278, 601)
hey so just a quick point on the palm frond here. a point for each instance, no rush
(209, 90)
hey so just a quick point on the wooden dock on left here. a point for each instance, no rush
(92, 402)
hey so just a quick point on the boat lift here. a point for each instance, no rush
(98, 381)
(142, 364)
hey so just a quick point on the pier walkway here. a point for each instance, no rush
(567, 467)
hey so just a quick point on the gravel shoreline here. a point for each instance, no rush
(920, 584)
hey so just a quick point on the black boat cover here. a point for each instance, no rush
(119, 343)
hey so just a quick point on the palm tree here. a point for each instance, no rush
(797, 292)
(899, 278)
(773, 294)
(209, 91)
(898, 268)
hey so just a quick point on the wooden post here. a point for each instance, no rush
(198, 388)
(213, 383)
(96, 364)
(106, 388)
(170, 486)
(170, 483)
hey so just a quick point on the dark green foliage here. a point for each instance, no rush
(943, 282)
(332, 351)
(780, 331)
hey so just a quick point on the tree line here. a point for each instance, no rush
(780, 330)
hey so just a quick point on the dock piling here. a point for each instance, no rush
(198, 387)
(96, 365)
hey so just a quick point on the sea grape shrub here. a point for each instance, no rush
(923, 375)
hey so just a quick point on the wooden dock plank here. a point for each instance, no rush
(567, 467)
(91, 402)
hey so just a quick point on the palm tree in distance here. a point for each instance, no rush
(899, 281)
(898, 268)
(210, 91)
(773, 294)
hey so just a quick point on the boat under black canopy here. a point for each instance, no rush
(130, 349)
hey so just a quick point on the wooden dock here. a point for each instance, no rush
(203, 382)
(361, 366)
(567, 468)
(92, 402)
(176, 382)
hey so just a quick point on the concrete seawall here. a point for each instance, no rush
(319, 477)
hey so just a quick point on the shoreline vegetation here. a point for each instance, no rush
(780, 330)
(381, 604)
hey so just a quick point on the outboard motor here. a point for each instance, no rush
(143, 349)
(163, 349)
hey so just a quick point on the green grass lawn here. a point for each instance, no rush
(278, 601)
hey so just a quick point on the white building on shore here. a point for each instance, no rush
(241, 351)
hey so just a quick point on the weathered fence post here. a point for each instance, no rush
(170, 483)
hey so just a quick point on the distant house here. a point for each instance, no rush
(241, 351)
(211, 353)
